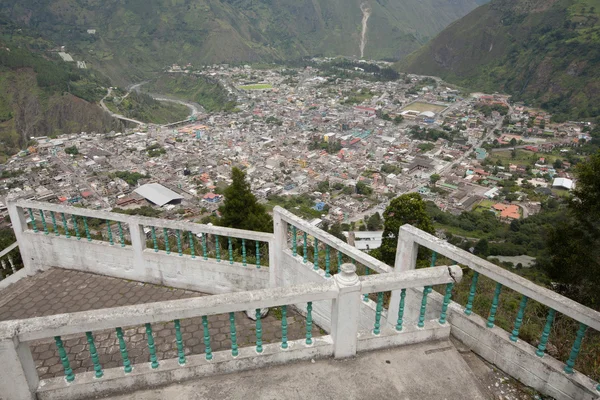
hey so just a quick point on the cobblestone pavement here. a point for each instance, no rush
(62, 291)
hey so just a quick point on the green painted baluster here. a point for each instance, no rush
(154, 240)
(94, 355)
(575, 349)
(44, 222)
(421, 322)
(432, 264)
(178, 237)
(544, 340)
(234, 345)
(598, 387)
(259, 347)
(65, 226)
(87, 229)
(327, 261)
(309, 340)
(76, 227)
(469, 307)
(340, 261)
(316, 255)
(284, 327)
(366, 295)
(230, 250)
(33, 224)
(204, 249)
(378, 310)
(401, 310)
(447, 297)
(244, 252)
(257, 255)
(192, 247)
(54, 226)
(294, 244)
(217, 248)
(64, 359)
(519, 321)
(492, 317)
(305, 248)
(207, 348)
(151, 347)
(121, 236)
(179, 340)
(123, 348)
(166, 238)
(110, 236)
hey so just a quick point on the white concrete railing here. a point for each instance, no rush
(11, 267)
(174, 253)
(20, 380)
(501, 348)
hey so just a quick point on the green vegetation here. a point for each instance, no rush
(155, 150)
(142, 107)
(72, 150)
(144, 211)
(488, 109)
(199, 89)
(431, 134)
(131, 178)
(357, 96)
(301, 205)
(259, 86)
(342, 68)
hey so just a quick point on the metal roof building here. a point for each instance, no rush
(158, 194)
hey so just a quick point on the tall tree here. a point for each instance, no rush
(406, 209)
(240, 209)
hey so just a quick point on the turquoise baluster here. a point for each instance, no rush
(44, 222)
(151, 347)
(64, 359)
(207, 348)
(76, 227)
(421, 322)
(234, 345)
(244, 252)
(447, 297)
(33, 224)
(294, 244)
(94, 355)
(339, 261)
(54, 226)
(178, 237)
(598, 387)
(316, 255)
(401, 310)
(544, 340)
(230, 249)
(204, 249)
(87, 229)
(575, 349)
(259, 347)
(154, 240)
(179, 341)
(257, 255)
(166, 238)
(519, 321)
(366, 295)
(284, 328)
(192, 246)
(110, 236)
(492, 317)
(65, 226)
(123, 349)
(121, 236)
(469, 307)
(327, 261)
(432, 264)
(217, 248)
(309, 340)
(378, 310)
(305, 248)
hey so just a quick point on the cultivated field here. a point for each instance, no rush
(259, 86)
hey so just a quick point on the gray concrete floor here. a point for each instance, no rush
(434, 370)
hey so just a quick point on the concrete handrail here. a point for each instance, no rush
(418, 278)
(146, 221)
(9, 249)
(332, 241)
(508, 279)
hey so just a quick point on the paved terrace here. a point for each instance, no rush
(58, 291)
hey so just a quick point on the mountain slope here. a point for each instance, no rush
(136, 37)
(544, 52)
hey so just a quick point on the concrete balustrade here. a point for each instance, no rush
(10, 271)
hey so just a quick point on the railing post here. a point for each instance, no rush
(276, 248)
(19, 379)
(406, 260)
(345, 313)
(19, 224)
(138, 243)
